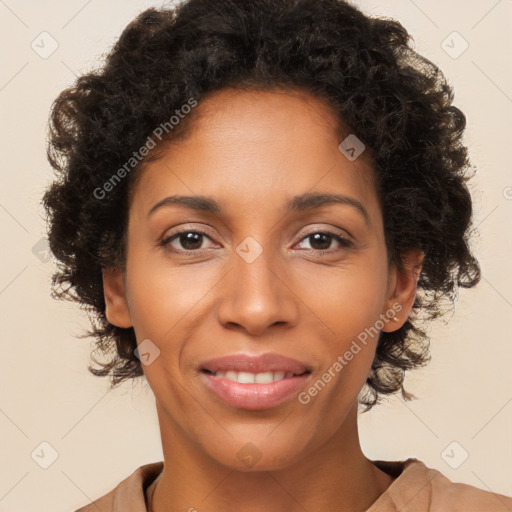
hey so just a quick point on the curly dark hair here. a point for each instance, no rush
(397, 102)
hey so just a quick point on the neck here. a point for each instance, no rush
(336, 476)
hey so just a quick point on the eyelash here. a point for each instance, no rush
(344, 242)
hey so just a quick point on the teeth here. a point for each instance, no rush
(245, 378)
(251, 378)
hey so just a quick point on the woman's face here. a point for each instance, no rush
(262, 277)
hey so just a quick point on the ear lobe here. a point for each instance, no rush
(404, 294)
(117, 310)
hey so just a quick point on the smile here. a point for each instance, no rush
(245, 390)
(251, 378)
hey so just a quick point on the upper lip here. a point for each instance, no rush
(256, 364)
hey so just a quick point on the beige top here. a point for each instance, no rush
(416, 488)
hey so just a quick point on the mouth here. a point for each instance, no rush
(244, 390)
(259, 365)
(255, 378)
(254, 382)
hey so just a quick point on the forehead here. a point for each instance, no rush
(257, 145)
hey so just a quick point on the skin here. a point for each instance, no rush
(252, 151)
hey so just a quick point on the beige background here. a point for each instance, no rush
(46, 393)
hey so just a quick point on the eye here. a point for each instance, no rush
(190, 241)
(321, 240)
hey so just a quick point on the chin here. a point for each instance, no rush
(252, 456)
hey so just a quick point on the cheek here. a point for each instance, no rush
(347, 299)
(163, 296)
(167, 304)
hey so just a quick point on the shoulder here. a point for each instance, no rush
(465, 497)
(129, 494)
(419, 488)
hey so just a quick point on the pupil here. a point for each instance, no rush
(317, 236)
(190, 238)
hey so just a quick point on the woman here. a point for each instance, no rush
(259, 201)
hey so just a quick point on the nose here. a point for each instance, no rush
(257, 294)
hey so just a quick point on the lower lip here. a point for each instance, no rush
(254, 396)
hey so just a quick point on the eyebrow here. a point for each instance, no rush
(303, 202)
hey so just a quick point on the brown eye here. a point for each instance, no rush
(322, 240)
(186, 241)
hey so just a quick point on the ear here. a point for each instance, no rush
(117, 310)
(402, 288)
